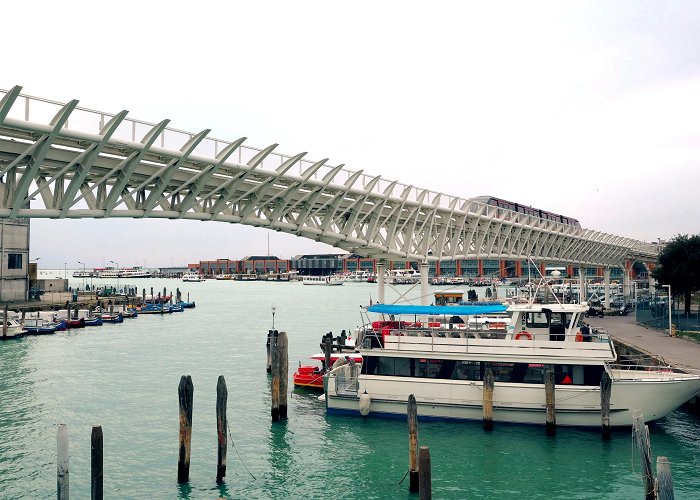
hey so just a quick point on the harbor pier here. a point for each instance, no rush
(632, 339)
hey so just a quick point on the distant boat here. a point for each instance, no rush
(192, 277)
(322, 280)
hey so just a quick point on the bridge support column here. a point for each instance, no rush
(606, 280)
(381, 269)
(581, 285)
(424, 291)
(627, 292)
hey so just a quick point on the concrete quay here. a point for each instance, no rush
(676, 351)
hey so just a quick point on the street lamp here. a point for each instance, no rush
(670, 326)
(64, 270)
(83, 273)
(116, 264)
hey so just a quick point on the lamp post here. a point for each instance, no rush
(670, 326)
(116, 264)
(83, 273)
(64, 270)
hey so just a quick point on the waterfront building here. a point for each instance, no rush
(14, 252)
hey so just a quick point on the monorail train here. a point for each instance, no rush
(536, 212)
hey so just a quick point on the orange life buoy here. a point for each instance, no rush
(523, 335)
(579, 336)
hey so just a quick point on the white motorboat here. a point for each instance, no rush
(402, 277)
(192, 277)
(357, 277)
(443, 364)
(14, 328)
(322, 280)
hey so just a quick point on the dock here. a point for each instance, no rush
(631, 337)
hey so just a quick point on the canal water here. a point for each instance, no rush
(125, 377)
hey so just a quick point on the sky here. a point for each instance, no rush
(589, 109)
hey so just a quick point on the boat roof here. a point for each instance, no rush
(335, 355)
(441, 310)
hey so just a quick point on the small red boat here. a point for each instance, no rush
(311, 376)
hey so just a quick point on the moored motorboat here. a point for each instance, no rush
(40, 326)
(311, 376)
(111, 317)
(12, 329)
(322, 280)
(444, 367)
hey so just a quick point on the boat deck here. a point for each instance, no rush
(675, 351)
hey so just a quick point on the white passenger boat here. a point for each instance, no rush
(402, 276)
(322, 280)
(357, 277)
(192, 277)
(443, 364)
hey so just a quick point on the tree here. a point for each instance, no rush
(679, 266)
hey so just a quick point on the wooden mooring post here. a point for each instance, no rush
(664, 482)
(412, 412)
(425, 490)
(96, 463)
(221, 425)
(488, 399)
(185, 392)
(605, 390)
(327, 347)
(551, 422)
(4, 321)
(283, 348)
(268, 364)
(641, 438)
(275, 385)
(62, 490)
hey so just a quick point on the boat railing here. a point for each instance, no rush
(346, 379)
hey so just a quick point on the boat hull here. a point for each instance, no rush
(513, 403)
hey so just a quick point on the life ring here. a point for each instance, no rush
(525, 335)
(579, 336)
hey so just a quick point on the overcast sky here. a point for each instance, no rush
(589, 109)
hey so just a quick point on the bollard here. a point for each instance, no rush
(96, 463)
(412, 412)
(425, 491)
(551, 422)
(221, 424)
(283, 348)
(605, 391)
(488, 399)
(275, 371)
(641, 436)
(62, 489)
(664, 482)
(185, 392)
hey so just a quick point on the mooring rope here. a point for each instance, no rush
(236, 450)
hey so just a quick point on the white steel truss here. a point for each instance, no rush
(62, 161)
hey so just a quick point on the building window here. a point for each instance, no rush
(14, 261)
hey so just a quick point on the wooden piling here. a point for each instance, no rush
(268, 363)
(62, 476)
(327, 351)
(4, 321)
(185, 392)
(605, 390)
(641, 436)
(488, 399)
(551, 422)
(412, 412)
(283, 348)
(664, 482)
(275, 371)
(425, 489)
(221, 424)
(96, 461)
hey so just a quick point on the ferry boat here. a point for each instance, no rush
(357, 277)
(402, 276)
(443, 365)
(322, 280)
(192, 277)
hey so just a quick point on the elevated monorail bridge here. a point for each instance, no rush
(63, 161)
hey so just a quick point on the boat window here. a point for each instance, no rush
(557, 319)
(433, 368)
(385, 366)
(501, 371)
(467, 370)
(536, 319)
(402, 367)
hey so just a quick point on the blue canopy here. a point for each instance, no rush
(436, 310)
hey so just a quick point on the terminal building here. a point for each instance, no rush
(325, 264)
(14, 251)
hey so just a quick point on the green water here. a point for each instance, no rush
(125, 377)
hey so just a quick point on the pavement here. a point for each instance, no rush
(674, 350)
